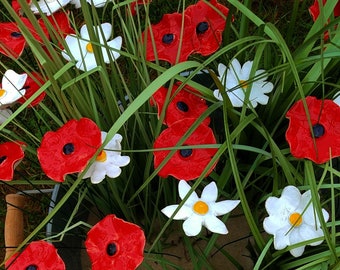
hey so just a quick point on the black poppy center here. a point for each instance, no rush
(185, 152)
(2, 159)
(16, 34)
(182, 106)
(68, 148)
(202, 27)
(168, 38)
(111, 249)
(318, 130)
(31, 267)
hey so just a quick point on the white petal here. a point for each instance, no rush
(113, 171)
(13, 81)
(309, 233)
(236, 97)
(292, 196)
(272, 224)
(76, 47)
(183, 189)
(98, 176)
(97, 3)
(274, 205)
(245, 71)
(215, 225)
(193, 225)
(76, 3)
(222, 72)
(337, 98)
(297, 252)
(217, 94)
(88, 63)
(90, 170)
(183, 213)
(224, 207)
(209, 193)
(103, 32)
(84, 33)
(281, 239)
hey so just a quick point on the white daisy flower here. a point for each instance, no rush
(292, 220)
(235, 79)
(201, 211)
(12, 87)
(48, 6)
(109, 161)
(4, 114)
(95, 3)
(81, 49)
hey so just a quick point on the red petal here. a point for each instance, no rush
(12, 43)
(184, 168)
(128, 238)
(10, 154)
(171, 24)
(299, 137)
(41, 254)
(31, 87)
(202, 12)
(17, 7)
(84, 135)
(61, 23)
(194, 105)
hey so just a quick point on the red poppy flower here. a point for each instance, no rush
(325, 121)
(11, 153)
(209, 24)
(314, 9)
(115, 244)
(17, 7)
(31, 87)
(134, 5)
(37, 255)
(61, 23)
(185, 164)
(68, 149)
(185, 104)
(167, 39)
(12, 42)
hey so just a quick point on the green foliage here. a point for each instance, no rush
(254, 161)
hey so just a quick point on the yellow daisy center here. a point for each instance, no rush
(89, 47)
(243, 84)
(295, 219)
(2, 92)
(101, 157)
(200, 208)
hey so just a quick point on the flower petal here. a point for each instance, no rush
(193, 225)
(224, 207)
(183, 189)
(183, 213)
(209, 193)
(215, 225)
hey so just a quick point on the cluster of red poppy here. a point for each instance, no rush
(314, 134)
(13, 41)
(111, 244)
(198, 30)
(184, 108)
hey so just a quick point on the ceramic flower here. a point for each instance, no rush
(31, 86)
(314, 9)
(135, 5)
(324, 143)
(11, 153)
(235, 80)
(12, 42)
(48, 6)
(81, 48)
(292, 219)
(198, 212)
(36, 255)
(184, 164)
(109, 161)
(209, 19)
(163, 40)
(183, 104)
(115, 244)
(68, 149)
(4, 114)
(12, 87)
